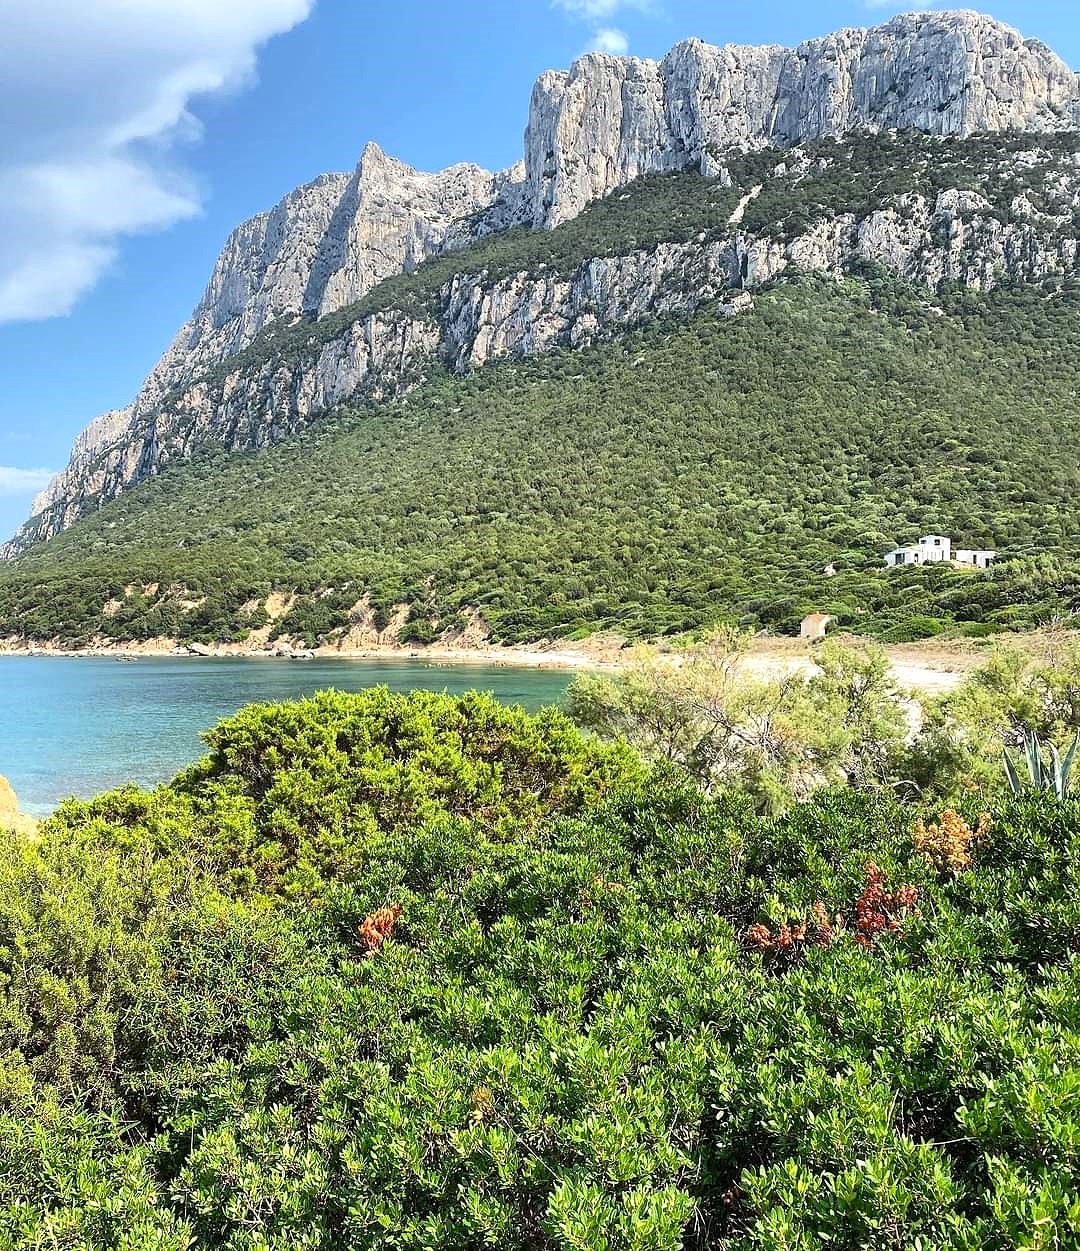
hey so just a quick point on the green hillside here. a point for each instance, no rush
(687, 473)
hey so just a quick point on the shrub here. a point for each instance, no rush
(777, 739)
(958, 750)
(520, 1010)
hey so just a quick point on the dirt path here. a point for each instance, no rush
(930, 668)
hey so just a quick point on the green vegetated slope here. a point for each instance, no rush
(687, 473)
(414, 973)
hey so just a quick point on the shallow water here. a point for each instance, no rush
(79, 725)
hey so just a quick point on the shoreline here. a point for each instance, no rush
(536, 656)
(930, 667)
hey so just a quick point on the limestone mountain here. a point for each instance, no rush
(355, 285)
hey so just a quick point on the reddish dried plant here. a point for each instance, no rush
(949, 843)
(377, 927)
(791, 938)
(877, 911)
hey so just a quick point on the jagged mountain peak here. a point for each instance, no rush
(609, 119)
(591, 128)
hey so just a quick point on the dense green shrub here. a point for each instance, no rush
(305, 784)
(566, 1038)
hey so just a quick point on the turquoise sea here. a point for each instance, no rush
(78, 725)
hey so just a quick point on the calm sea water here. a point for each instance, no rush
(79, 725)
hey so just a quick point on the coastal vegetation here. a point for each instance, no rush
(775, 740)
(422, 972)
(686, 475)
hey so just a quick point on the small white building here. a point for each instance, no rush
(930, 549)
(933, 549)
(977, 558)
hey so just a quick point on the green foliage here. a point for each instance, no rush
(774, 739)
(566, 1041)
(289, 792)
(685, 475)
(1044, 775)
(82, 916)
(1001, 704)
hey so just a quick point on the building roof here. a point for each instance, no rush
(817, 616)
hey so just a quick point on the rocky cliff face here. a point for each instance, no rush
(609, 119)
(590, 130)
(324, 246)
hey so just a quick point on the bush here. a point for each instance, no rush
(959, 747)
(525, 1007)
(775, 739)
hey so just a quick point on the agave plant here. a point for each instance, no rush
(1046, 774)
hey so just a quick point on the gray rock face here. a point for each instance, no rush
(609, 119)
(391, 218)
(324, 246)
(590, 129)
(251, 406)
(62, 495)
(924, 242)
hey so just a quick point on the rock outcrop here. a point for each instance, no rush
(609, 119)
(590, 130)
(10, 816)
(324, 246)
(953, 238)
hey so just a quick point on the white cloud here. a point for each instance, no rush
(608, 39)
(94, 98)
(590, 10)
(23, 481)
(605, 38)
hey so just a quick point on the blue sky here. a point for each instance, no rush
(208, 113)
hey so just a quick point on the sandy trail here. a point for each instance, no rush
(932, 675)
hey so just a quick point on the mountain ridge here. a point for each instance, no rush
(592, 128)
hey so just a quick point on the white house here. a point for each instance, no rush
(930, 549)
(977, 557)
(934, 549)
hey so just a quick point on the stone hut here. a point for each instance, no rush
(814, 626)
